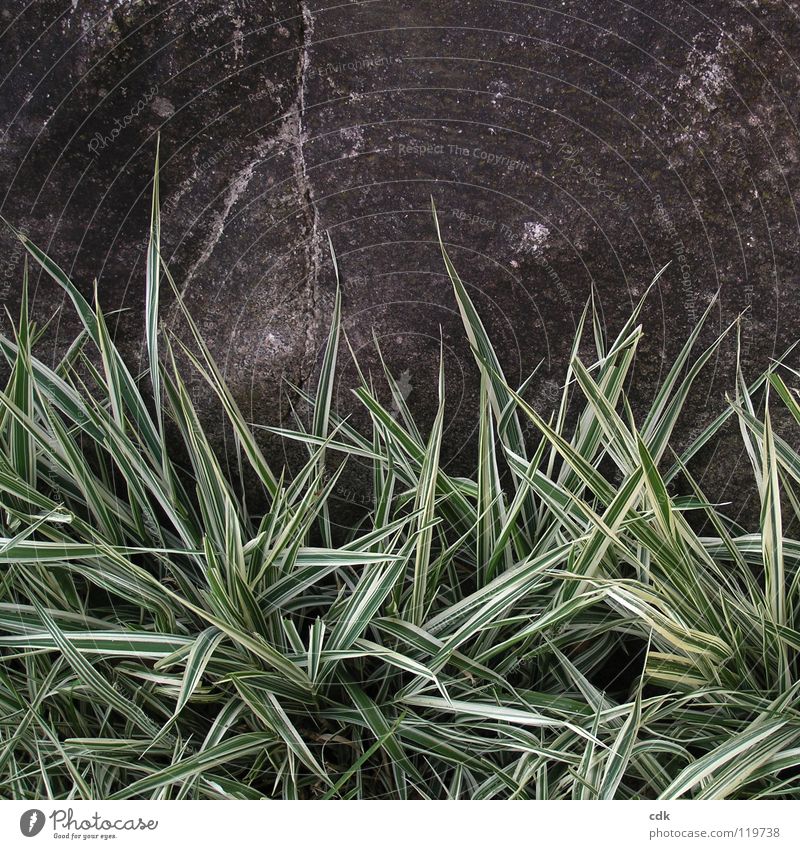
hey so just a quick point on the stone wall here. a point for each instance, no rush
(567, 145)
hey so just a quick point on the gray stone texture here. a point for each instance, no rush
(567, 145)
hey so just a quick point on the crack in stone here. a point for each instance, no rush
(294, 136)
(313, 250)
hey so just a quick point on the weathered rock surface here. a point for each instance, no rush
(566, 145)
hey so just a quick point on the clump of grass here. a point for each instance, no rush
(160, 640)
